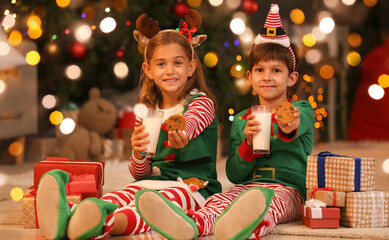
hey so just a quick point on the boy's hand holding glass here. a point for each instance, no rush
(251, 129)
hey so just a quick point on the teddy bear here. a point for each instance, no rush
(96, 117)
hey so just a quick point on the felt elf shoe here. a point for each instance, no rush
(241, 218)
(52, 207)
(88, 218)
(164, 216)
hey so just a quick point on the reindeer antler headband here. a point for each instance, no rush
(147, 28)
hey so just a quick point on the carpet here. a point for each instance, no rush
(117, 176)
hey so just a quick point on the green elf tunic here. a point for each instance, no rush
(287, 160)
(196, 160)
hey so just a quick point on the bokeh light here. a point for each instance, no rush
(326, 25)
(313, 56)
(2, 86)
(89, 13)
(370, 3)
(243, 85)
(34, 21)
(231, 111)
(194, 3)
(385, 166)
(354, 39)
(67, 126)
(4, 48)
(297, 16)
(33, 57)
(211, 59)
(237, 71)
(16, 194)
(326, 71)
(15, 38)
(353, 58)
(376, 92)
(8, 21)
(34, 32)
(331, 3)
(107, 25)
(73, 72)
(63, 3)
(309, 40)
(383, 80)
(15, 149)
(319, 35)
(348, 2)
(215, 3)
(2, 179)
(237, 26)
(233, 4)
(56, 117)
(247, 36)
(121, 70)
(49, 101)
(83, 33)
(238, 58)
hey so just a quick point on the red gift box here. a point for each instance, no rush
(320, 217)
(79, 170)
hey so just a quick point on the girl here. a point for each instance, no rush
(173, 82)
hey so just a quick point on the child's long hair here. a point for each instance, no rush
(272, 51)
(150, 94)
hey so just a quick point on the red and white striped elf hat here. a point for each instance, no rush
(273, 32)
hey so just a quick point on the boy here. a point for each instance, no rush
(270, 188)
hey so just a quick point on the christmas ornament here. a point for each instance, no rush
(181, 9)
(119, 54)
(77, 50)
(249, 6)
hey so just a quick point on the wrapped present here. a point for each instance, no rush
(30, 219)
(340, 173)
(75, 168)
(320, 217)
(330, 198)
(366, 210)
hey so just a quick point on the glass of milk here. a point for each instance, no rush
(152, 121)
(261, 141)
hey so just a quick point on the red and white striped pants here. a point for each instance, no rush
(125, 199)
(284, 207)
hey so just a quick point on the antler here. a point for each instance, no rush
(193, 19)
(147, 26)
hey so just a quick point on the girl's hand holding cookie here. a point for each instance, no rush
(177, 139)
(251, 129)
(138, 139)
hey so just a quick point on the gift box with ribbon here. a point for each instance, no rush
(366, 210)
(315, 214)
(326, 195)
(30, 219)
(340, 173)
(83, 173)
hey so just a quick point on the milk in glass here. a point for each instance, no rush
(152, 123)
(261, 141)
